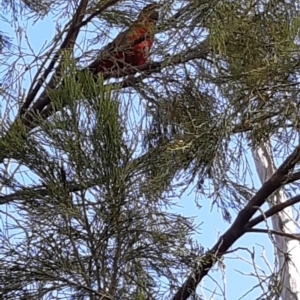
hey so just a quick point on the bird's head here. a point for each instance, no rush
(150, 13)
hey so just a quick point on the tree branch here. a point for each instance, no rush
(293, 177)
(97, 12)
(272, 211)
(68, 43)
(198, 52)
(77, 23)
(42, 191)
(237, 229)
(268, 231)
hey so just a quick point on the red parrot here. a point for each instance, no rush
(130, 47)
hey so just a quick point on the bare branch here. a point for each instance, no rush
(237, 229)
(268, 231)
(293, 177)
(272, 211)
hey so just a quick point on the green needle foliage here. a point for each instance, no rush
(92, 164)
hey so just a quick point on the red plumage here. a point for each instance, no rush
(131, 47)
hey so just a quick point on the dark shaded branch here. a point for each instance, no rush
(42, 191)
(97, 13)
(293, 177)
(270, 231)
(42, 106)
(237, 229)
(68, 43)
(272, 211)
(199, 52)
(44, 100)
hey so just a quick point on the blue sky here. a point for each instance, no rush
(213, 226)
